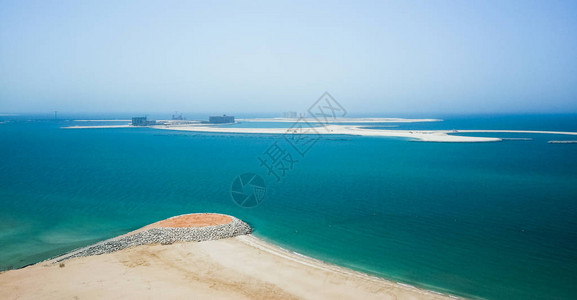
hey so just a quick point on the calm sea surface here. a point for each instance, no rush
(482, 220)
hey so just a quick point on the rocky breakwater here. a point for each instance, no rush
(185, 228)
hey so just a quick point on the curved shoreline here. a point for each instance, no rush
(321, 265)
(228, 266)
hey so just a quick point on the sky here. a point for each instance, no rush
(374, 57)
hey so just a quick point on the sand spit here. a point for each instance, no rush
(343, 120)
(239, 267)
(448, 136)
(425, 136)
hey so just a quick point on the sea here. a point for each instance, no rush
(478, 220)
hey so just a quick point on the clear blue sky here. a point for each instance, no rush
(376, 57)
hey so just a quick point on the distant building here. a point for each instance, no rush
(142, 121)
(139, 121)
(221, 119)
(290, 115)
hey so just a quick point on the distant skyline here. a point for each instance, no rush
(375, 57)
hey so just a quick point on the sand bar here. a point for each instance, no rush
(339, 129)
(241, 267)
(425, 136)
(343, 120)
(418, 135)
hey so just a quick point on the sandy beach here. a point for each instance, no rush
(241, 267)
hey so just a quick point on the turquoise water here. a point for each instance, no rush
(486, 220)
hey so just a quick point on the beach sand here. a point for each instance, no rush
(343, 120)
(417, 135)
(242, 267)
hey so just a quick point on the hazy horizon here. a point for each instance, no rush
(376, 58)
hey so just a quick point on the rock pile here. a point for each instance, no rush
(165, 236)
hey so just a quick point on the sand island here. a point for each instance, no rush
(339, 127)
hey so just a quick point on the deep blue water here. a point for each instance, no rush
(486, 220)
